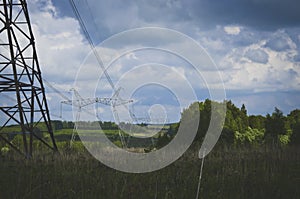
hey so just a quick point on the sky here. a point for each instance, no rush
(255, 45)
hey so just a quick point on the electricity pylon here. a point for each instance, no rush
(81, 102)
(21, 80)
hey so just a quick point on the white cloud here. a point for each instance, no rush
(232, 30)
(60, 45)
(254, 71)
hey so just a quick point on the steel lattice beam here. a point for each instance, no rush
(20, 78)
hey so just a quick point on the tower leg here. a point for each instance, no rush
(21, 81)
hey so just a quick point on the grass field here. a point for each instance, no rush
(228, 173)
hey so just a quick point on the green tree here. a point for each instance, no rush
(244, 117)
(257, 121)
(205, 114)
(275, 126)
(295, 137)
(57, 124)
(293, 122)
(251, 136)
(243, 109)
(190, 117)
(173, 129)
(236, 119)
(292, 118)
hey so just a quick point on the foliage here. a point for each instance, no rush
(239, 128)
(292, 118)
(295, 137)
(243, 129)
(163, 140)
(275, 126)
(284, 139)
(257, 121)
(4, 150)
(250, 136)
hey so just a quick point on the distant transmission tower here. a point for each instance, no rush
(22, 94)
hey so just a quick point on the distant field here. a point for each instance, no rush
(64, 135)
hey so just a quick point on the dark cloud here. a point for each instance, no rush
(257, 55)
(260, 14)
(105, 18)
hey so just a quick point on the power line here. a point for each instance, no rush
(55, 90)
(88, 37)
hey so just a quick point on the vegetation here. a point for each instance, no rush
(233, 172)
(241, 129)
(256, 157)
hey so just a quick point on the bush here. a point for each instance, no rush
(250, 136)
(4, 150)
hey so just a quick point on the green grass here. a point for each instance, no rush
(228, 173)
(70, 131)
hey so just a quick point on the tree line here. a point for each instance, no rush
(241, 128)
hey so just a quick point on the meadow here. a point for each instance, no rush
(255, 157)
(229, 172)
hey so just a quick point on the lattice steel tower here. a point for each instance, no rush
(22, 94)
